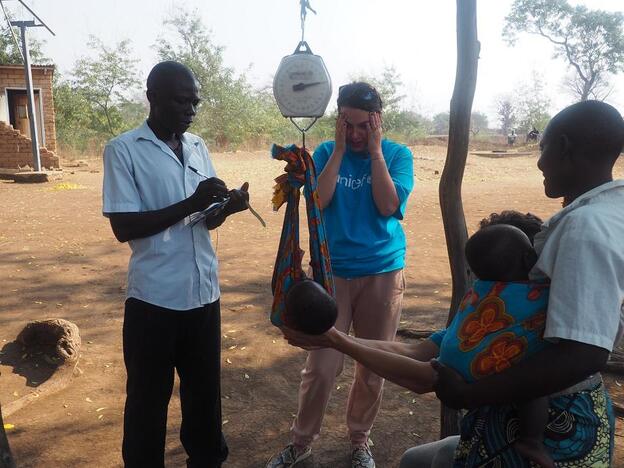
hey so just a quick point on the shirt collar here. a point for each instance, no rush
(144, 132)
(584, 199)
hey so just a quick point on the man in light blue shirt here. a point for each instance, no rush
(172, 315)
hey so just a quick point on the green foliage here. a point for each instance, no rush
(440, 124)
(102, 99)
(532, 105)
(10, 52)
(98, 103)
(478, 122)
(399, 123)
(104, 81)
(506, 111)
(231, 110)
(72, 115)
(387, 85)
(591, 41)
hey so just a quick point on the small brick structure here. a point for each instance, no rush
(15, 144)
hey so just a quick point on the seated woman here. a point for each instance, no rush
(498, 323)
(407, 363)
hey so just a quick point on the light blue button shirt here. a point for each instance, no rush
(176, 268)
(581, 250)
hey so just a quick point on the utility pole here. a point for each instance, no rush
(32, 116)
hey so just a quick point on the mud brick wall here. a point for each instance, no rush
(16, 150)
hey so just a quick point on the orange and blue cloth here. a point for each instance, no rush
(300, 172)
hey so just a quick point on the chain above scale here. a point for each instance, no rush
(305, 6)
(302, 85)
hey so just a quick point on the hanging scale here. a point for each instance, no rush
(302, 85)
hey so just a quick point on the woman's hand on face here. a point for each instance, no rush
(374, 134)
(341, 135)
(308, 342)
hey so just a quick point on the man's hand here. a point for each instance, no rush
(208, 191)
(308, 342)
(341, 135)
(374, 135)
(450, 388)
(239, 199)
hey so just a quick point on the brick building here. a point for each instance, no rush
(15, 143)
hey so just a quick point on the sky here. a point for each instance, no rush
(354, 37)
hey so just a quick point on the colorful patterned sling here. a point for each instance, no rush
(288, 270)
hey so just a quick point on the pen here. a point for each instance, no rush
(199, 173)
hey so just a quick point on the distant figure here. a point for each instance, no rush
(533, 135)
(511, 137)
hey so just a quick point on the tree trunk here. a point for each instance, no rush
(453, 173)
(6, 460)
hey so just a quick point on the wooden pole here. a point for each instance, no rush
(6, 459)
(453, 173)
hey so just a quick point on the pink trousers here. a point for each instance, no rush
(372, 304)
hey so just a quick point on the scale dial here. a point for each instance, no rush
(302, 85)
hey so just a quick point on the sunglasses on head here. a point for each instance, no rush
(354, 92)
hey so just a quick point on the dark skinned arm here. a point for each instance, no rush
(414, 375)
(130, 226)
(424, 350)
(389, 359)
(553, 369)
(238, 202)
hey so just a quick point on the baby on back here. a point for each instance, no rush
(510, 312)
(500, 252)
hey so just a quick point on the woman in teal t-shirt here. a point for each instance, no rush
(363, 186)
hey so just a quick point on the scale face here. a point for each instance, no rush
(302, 85)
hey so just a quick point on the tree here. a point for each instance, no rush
(406, 124)
(506, 114)
(532, 105)
(478, 122)
(451, 205)
(388, 86)
(10, 52)
(104, 82)
(72, 113)
(591, 41)
(441, 123)
(229, 107)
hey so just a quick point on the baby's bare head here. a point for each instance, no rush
(309, 308)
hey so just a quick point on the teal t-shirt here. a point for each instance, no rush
(362, 242)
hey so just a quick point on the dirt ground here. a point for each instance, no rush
(58, 258)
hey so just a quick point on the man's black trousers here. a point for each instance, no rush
(157, 342)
